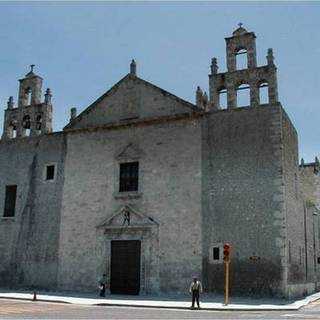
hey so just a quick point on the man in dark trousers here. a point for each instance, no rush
(195, 289)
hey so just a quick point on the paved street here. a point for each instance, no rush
(13, 309)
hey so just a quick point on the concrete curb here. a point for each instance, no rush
(38, 300)
(162, 304)
(188, 308)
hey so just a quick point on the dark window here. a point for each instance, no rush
(216, 253)
(129, 173)
(50, 172)
(10, 201)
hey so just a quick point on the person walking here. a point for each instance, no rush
(195, 289)
(102, 285)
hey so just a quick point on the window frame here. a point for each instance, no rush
(122, 184)
(211, 253)
(54, 164)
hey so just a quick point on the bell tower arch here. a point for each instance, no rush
(31, 117)
(251, 78)
(241, 42)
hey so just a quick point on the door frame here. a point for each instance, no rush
(145, 257)
(142, 228)
(139, 252)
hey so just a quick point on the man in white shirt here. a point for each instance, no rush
(195, 289)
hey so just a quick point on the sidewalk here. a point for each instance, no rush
(213, 302)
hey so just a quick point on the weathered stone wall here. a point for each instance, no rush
(243, 198)
(310, 188)
(29, 241)
(296, 215)
(312, 245)
(314, 214)
(169, 155)
(310, 183)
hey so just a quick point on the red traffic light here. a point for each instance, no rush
(226, 246)
(226, 252)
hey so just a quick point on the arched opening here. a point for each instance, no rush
(241, 59)
(38, 123)
(243, 95)
(29, 96)
(263, 93)
(223, 101)
(13, 129)
(26, 124)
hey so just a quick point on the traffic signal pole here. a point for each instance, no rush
(226, 259)
(226, 283)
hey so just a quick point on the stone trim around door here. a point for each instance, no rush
(128, 224)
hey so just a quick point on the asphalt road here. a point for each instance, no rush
(14, 309)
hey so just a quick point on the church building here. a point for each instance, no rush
(146, 187)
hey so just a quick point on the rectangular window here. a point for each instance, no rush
(129, 174)
(10, 201)
(50, 172)
(216, 253)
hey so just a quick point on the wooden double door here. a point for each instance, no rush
(125, 266)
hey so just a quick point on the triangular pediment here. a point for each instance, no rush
(131, 98)
(128, 217)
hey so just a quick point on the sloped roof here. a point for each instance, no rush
(239, 31)
(187, 104)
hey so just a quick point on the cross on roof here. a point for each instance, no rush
(32, 66)
(240, 24)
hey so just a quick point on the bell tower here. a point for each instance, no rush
(252, 77)
(31, 117)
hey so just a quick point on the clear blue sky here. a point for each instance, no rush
(82, 49)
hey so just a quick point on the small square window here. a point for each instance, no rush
(216, 253)
(129, 175)
(50, 172)
(10, 201)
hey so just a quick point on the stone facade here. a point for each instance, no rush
(310, 188)
(30, 240)
(207, 176)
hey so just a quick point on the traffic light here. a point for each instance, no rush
(226, 252)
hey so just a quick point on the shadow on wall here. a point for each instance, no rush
(296, 274)
(257, 278)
